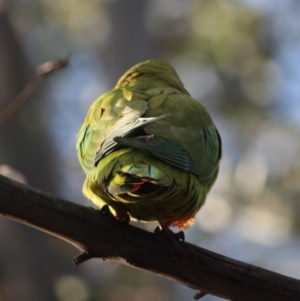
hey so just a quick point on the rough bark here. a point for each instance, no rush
(99, 235)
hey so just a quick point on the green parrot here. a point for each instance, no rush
(149, 150)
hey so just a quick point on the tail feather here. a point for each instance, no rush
(145, 188)
(131, 178)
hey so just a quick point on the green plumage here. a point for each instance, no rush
(148, 148)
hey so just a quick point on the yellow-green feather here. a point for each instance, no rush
(150, 89)
(174, 207)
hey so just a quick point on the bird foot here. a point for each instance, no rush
(106, 211)
(121, 216)
(166, 231)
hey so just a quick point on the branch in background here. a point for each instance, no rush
(42, 72)
(99, 235)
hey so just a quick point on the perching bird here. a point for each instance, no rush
(149, 149)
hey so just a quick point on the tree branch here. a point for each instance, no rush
(98, 235)
(43, 71)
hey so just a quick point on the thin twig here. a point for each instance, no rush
(42, 72)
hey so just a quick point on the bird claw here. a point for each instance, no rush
(122, 217)
(106, 211)
(166, 231)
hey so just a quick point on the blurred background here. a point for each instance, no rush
(240, 58)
